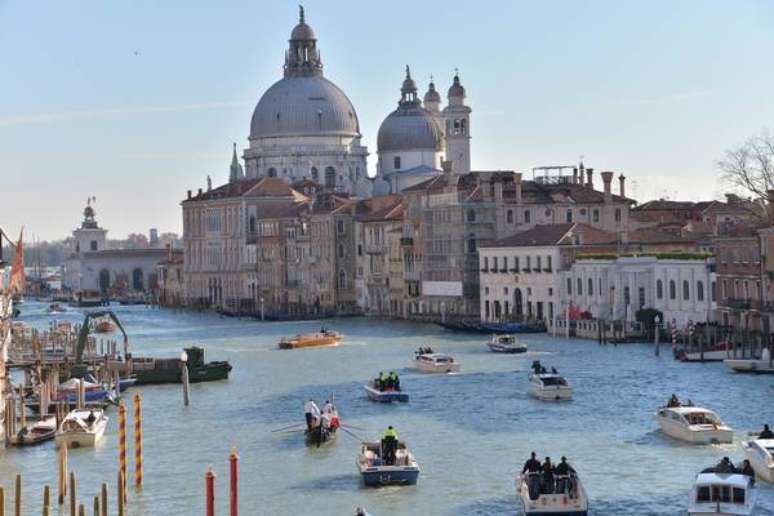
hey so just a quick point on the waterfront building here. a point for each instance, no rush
(680, 286)
(520, 274)
(171, 290)
(92, 265)
(739, 275)
(305, 127)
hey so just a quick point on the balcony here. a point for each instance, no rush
(548, 269)
(739, 304)
(493, 269)
(526, 270)
(406, 242)
(537, 269)
(504, 270)
(514, 270)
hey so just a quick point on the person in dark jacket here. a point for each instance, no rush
(564, 470)
(548, 476)
(766, 433)
(725, 466)
(533, 469)
(746, 469)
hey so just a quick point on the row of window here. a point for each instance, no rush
(501, 264)
(686, 289)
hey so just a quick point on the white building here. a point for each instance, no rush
(521, 275)
(305, 127)
(615, 288)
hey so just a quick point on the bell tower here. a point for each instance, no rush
(457, 118)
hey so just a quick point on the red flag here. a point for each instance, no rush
(16, 283)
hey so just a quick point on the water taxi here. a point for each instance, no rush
(569, 497)
(35, 433)
(82, 428)
(548, 385)
(694, 425)
(375, 470)
(435, 363)
(717, 353)
(729, 494)
(387, 395)
(760, 453)
(324, 338)
(506, 344)
(763, 365)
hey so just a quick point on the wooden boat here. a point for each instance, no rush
(323, 338)
(506, 344)
(722, 494)
(570, 500)
(35, 433)
(384, 396)
(105, 326)
(82, 428)
(169, 370)
(324, 428)
(376, 472)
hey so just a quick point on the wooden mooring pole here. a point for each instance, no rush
(2, 501)
(73, 493)
(234, 482)
(17, 505)
(209, 481)
(62, 485)
(46, 500)
(186, 386)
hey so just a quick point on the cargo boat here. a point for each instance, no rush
(170, 370)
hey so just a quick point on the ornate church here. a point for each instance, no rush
(305, 128)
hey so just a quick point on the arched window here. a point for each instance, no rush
(341, 251)
(686, 290)
(330, 177)
(471, 245)
(659, 289)
(699, 291)
(568, 217)
(272, 172)
(509, 216)
(342, 279)
(396, 162)
(569, 286)
(591, 288)
(252, 224)
(463, 126)
(471, 216)
(580, 287)
(672, 289)
(315, 174)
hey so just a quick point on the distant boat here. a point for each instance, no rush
(55, 308)
(170, 370)
(695, 425)
(384, 396)
(87, 298)
(716, 353)
(548, 385)
(324, 428)
(506, 344)
(435, 363)
(35, 432)
(376, 472)
(82, 428)
(762, 365)
(105, 326)
(323, 338)
(472, 326)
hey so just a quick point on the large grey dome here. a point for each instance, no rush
(409, 127)
(312, 106)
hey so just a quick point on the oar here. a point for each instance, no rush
(353, 435)
(287, 427)
(355, 427)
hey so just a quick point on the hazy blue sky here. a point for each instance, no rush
(136, 102)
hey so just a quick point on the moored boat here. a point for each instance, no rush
(566, 497)
(506, 344)
(760, 453)
(378, 470)
(722, 494)
(692, 424)
(435, 362)
(82, 428)
(763, 365)
(548, 385)
(35, 432)
(170, 370)
(473, 326)
(716, 353)
(104, 326)
(323, 338)
(55, 308)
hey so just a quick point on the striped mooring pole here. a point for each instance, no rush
(122, 447)
(138, 441)
(673, 326)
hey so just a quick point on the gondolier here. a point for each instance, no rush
(311, 411)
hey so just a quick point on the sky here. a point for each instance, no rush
(136, 102)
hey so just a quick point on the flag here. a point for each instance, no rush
(16, 283)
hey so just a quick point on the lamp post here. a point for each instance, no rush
(185, 379)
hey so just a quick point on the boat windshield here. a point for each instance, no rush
(720, 493)
(444, 359)
(701, 418)
(553, 380)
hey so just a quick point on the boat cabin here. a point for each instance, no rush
(723, 488)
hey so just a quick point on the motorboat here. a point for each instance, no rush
(105, 326)
(761, 365)
(566, 497)
(435, 363)
(716, 353)
(55, 308)
(88, 298)
(729, 494)
(377, 470)
(323, 338)
(694, 425)
(35, 433)
(387, 395)
(548, 385)
(760, 453)
(82, 428)
(506, 344)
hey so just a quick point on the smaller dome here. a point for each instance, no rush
(432, 94)
(409, 127)
(456, 89)
(302, 32)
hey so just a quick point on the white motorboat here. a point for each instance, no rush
(377, 469)
(568, 498)
(436, 363)
(506, 344)
(548, 385)
(82, 428)
(730, 494)
(761, 365)
(716, 353)
(760, 453)
(694, 425)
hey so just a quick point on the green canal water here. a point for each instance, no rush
(470, 432)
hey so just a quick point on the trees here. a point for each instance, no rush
(750, 167)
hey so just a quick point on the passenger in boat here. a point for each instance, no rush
(725, 466)
(328, 408)
(766, 433)
(673, 401)
(547, 477)
(90, 420)
(382, 381)
(311, 410)
(563, 471)
(747, 470)
(554, 371)
(533, 469)
(395, 380)
(389, 445)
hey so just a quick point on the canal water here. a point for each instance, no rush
(470, 432)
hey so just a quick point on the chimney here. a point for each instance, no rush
(517, 184)
(169, 251)
(590, 178)
(200, 191)
(498, 192)
(575, 175)
(189, 194)
(607, 179)
(209, 183)
(621, 185)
